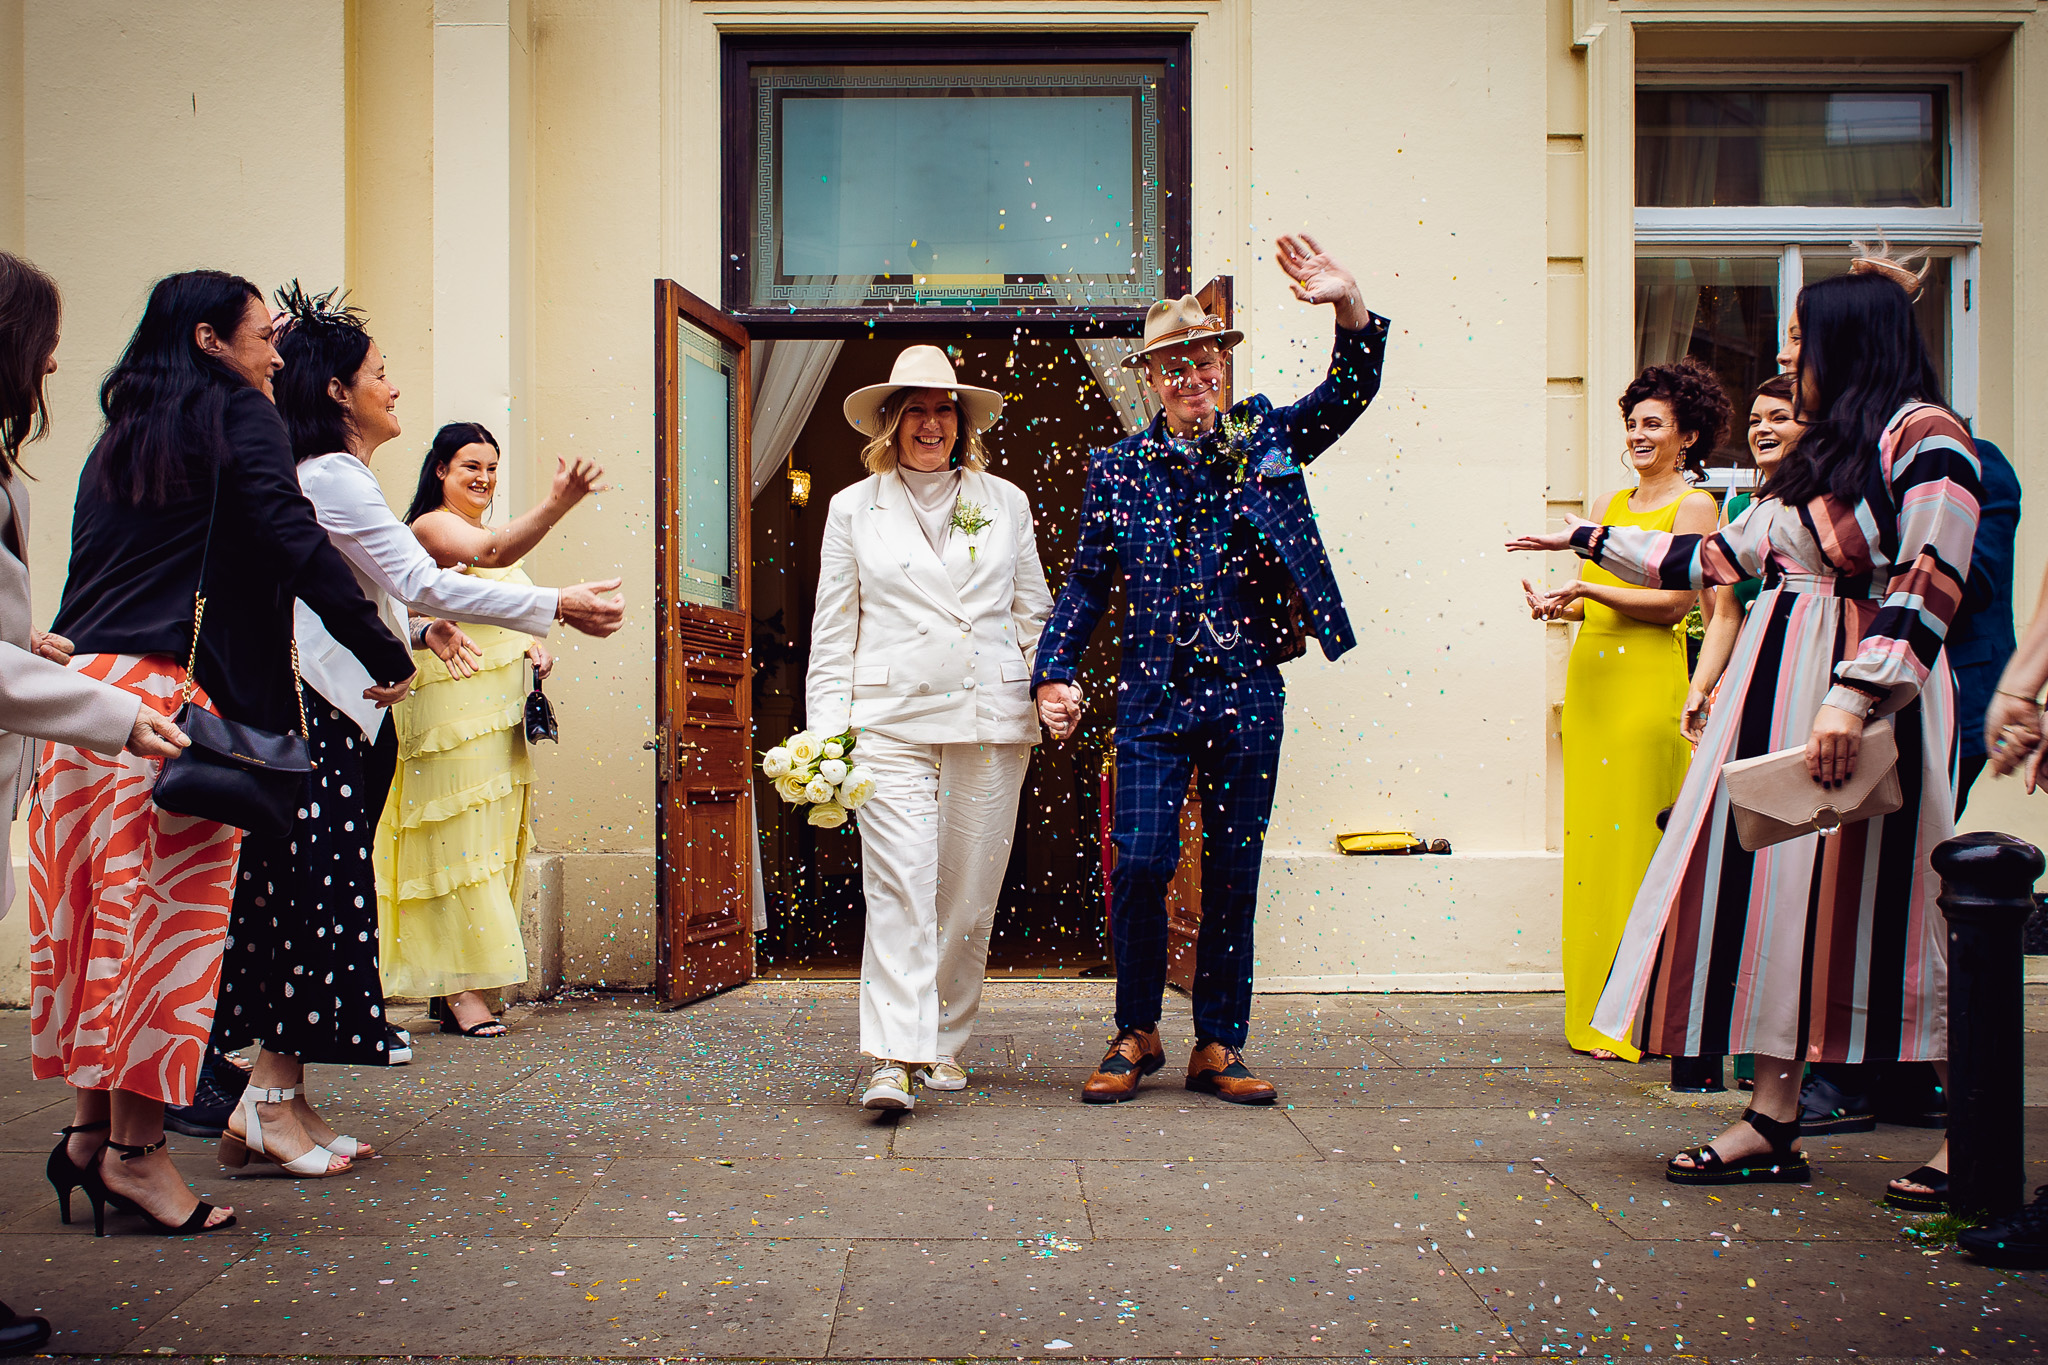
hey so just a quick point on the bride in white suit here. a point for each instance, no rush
(930, 600)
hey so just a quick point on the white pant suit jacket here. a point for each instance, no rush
(928, 658)
(920, 649)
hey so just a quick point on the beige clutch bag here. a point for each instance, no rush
(1774, 799)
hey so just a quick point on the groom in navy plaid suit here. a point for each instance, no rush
(1206, 517)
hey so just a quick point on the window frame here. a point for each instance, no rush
(1787, 232)
(739, 152)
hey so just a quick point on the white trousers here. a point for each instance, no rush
(934, 844)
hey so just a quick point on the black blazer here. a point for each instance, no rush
(134, 569)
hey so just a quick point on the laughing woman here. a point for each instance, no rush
(451, 848)
(930, 600)
(1815, 949)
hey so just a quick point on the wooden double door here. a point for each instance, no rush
(704, 742)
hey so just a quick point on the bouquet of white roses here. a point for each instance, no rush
(811, 770)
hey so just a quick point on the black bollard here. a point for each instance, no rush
(1697, 1075)
(1987, 883)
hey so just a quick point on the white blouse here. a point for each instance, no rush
(394, 570)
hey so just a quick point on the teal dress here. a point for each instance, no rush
(1747, 590)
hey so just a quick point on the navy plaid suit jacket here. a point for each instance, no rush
(1127, 524)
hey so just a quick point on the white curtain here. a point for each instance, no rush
(788, 377)
(1126, 394)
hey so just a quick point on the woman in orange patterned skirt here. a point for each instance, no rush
(128, 904)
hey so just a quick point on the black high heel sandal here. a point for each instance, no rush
(1780, 1165)
(103, 1198)
(64, 1175)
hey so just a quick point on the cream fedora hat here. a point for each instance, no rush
(921, 367)
(1175, 322)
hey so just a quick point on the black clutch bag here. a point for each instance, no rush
(540, 717)
(236, 774)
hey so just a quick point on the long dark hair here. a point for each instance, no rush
(1862, 357)
(30, 309)
(440, 455)
(166, 400)
(324, 339)
(1698, 404)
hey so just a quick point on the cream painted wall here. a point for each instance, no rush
(156, 138)
(1471, 159)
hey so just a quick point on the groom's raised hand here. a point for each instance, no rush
(1317, 278)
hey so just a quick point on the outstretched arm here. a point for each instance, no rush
(451, 540)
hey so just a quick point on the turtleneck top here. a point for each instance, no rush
(932, 495)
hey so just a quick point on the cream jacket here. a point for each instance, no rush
(40, 700)
(927, 650)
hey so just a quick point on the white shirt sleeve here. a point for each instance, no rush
(351, 507)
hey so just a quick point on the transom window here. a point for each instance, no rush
(895, 180)
(1749, 187)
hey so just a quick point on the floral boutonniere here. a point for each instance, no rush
(970, 519)
(1239, 435)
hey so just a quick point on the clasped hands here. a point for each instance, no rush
(1060, 706)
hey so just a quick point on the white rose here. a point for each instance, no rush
(804, 748)
(858, 787)
(775, 762)
(819, 790)
(834, 749)
(833, 770)
(790, 788)
(828, 815)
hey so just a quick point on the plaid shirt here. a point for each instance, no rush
(1274, 563)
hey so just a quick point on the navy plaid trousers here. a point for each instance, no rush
(1228, 730)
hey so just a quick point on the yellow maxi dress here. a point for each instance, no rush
(1624, 760)
(451, 847)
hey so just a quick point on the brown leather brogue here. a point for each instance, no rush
(1133, 1055)
(1218, 1069)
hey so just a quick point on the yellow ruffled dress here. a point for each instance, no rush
(451, 847)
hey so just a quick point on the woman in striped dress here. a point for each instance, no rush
(1815, 949)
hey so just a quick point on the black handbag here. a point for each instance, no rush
(237, 774)
(540, 717)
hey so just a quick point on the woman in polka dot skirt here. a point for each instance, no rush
(301, 974)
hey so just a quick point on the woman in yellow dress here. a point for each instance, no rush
(452, 843)
(1624, 756)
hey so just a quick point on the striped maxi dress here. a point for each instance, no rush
(1819, 948)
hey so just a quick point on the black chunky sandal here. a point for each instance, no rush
(1912, 1201)
(1780, 1165)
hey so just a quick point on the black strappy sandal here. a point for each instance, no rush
(1780, 1165)
(103, 1198)
(1913, 1202)
(66, 1176)
(485, 1028)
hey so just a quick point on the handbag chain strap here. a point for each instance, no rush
(199, 615)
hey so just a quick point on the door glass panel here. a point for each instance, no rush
(1931, 308)
(707, 438)
(956, 185)
(1723, 310)
(1815, 148)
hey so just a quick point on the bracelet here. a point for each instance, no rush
(420, 627)
(2018, 696)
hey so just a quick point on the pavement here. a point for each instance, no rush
(1442, 1179)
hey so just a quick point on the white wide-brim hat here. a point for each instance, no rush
(1176, 322)
(922, 367)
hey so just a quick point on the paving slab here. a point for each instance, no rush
(357, 1295)
(1072, 1131)
(1322, 1202)
(1221, 1297)
(1752, 1299)
(103, 1294)
(858, 1198)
